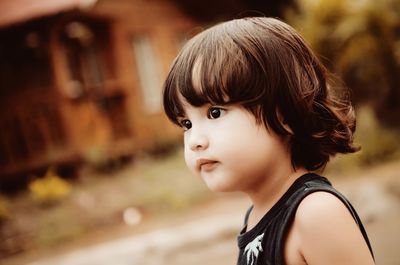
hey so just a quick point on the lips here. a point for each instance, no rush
(206, 164)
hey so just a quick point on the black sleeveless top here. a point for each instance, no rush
(264, 244)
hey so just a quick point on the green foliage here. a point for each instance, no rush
(359, 40)
(378, 144)
(50, 188)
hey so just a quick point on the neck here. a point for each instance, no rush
(267, 193)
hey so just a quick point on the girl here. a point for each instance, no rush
(259, 115)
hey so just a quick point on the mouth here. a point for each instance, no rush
(206, 164)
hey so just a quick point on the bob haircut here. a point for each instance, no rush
(264, 65)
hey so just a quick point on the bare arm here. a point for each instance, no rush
(327, 233)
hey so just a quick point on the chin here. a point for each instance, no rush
(219, 187)
(217, 182)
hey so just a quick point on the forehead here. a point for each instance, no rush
(184, 104)
(196, 76)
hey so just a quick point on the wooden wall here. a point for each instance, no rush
(96, 94)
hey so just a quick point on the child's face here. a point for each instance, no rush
(227, 148)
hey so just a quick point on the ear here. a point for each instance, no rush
(283, 122)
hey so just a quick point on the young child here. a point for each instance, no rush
(259, 115)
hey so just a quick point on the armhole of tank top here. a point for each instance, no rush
(350, 208)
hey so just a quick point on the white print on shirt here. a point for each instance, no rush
(253, 249)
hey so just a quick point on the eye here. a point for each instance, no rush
(185, 124)
(215, 112)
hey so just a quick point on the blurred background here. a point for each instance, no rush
(92, 172)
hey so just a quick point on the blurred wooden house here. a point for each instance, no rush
(80, 80)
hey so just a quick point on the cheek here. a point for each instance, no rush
(249, 147)
(186, 157)
(189, 160)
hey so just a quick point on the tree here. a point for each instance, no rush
(359, 40)
(211, 11)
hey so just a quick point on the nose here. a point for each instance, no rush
(197, 140)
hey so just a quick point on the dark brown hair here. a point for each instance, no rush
(267, 67)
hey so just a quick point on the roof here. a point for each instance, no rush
(17, 11)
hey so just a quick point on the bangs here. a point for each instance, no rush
(211, 69)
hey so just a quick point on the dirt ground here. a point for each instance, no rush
(207, 234)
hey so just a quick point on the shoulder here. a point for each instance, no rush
(320, 206)
(327, 232)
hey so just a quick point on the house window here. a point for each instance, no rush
(24, 54)
(148, 67)
(92, 75)
(85, 59)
